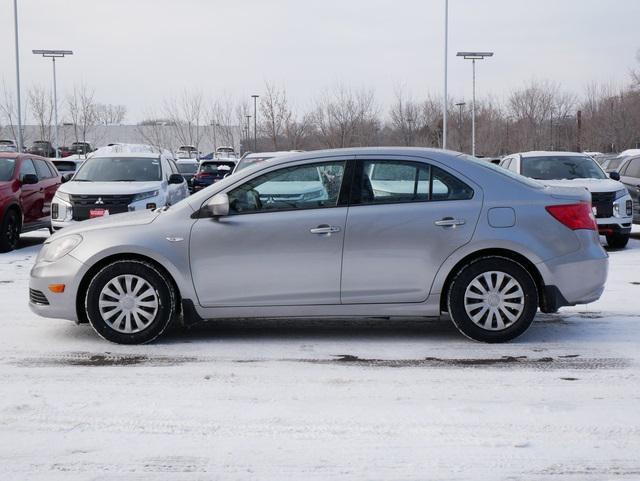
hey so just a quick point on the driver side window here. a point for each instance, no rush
(308, 186)
(27, 167)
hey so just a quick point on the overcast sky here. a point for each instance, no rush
(138, 52)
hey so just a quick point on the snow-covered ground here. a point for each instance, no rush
(374, 399)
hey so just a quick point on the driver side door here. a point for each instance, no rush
(281, 243)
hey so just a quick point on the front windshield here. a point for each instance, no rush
(120, 169)
(6, 169)
(561, 167)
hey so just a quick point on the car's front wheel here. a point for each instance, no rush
(493, 299)
(617, 241)
(130, 302)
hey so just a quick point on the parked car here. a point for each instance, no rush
(81, 148)
(27, 186)
(211, 171)
(115, 180)
(611, 203)
(187, 152)
(7, 145)
(490, 250)
(42, 148)
(627, 167)
(253, 158)
(188, 169)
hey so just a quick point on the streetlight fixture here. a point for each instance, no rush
(255, 122)
(53, 55)
(446, 55)
(473, 56)
(15, 29)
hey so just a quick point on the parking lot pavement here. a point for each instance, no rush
(299, 399)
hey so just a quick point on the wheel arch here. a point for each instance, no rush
(531, 268)
(95, 268)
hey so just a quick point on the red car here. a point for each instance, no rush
(27, 186)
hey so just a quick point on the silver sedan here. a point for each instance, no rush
(351, 232)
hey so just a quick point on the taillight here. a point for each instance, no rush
(574, 216)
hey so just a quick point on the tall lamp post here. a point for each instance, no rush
(53, 55)
(460, 105)
(15, 29)
(248, 130)
(473, 56)
(255, 122)
(446, 65)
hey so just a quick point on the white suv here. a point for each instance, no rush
(117, 179)
(610, 200)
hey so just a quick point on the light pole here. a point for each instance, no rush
(446, 54)
(15, 29)
(473, 56)
(248, 130)
(255, 122)
(460, 105)
(53, 54)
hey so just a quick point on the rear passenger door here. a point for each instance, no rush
(630, 177)
(405, 218)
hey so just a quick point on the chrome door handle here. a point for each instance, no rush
(325, 229)
(449, 222)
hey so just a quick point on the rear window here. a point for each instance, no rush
(217, 168)
(187, 168)
(65, 166)
(561, 167)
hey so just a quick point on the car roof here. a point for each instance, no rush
(629, 152)
(547, 153)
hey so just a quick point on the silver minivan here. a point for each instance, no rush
(389, 232)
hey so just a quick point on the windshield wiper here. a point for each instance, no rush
(121, 180)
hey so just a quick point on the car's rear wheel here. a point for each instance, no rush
(493, 299)
(617, 241)
(130, 302)
(10, 231)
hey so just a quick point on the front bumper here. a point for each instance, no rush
(68, 271)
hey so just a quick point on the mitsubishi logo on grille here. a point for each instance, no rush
(99, 201)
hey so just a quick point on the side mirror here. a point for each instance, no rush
(614, 175)
(29, 179)
(176, 179)
(218, 205)
(66, 177)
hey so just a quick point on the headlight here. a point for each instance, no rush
(621, 193)
(145, 195)
(59, 248)
(312, 195)
(63, 196)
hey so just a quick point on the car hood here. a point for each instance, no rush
(592, 185)
(108, 188)
(128, 219)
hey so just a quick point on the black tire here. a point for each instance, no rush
(160, 285)
(10, 231)
(618, 241)
(467, 274)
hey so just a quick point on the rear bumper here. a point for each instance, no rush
(578, 277)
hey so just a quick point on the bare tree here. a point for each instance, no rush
(186, 114)
(275, 113)
(223, 122)
(41, 103)
(82, 111)
(345, 118)
(109, 114)
(156, 131)
(9, 113)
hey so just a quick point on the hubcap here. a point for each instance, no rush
(494, 300)
(128, 304)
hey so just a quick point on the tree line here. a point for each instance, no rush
(539, 115)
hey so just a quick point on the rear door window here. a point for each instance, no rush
(633, 168)
(43, 169)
